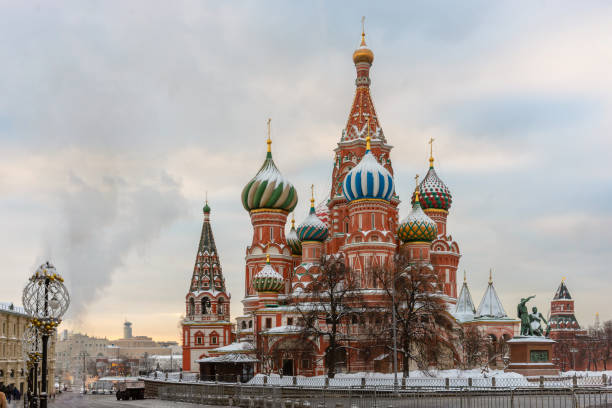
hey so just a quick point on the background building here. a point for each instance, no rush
(13, 321)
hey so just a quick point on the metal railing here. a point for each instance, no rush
(403, 383)
(250, 396)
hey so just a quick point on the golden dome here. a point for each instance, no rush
(363, 53)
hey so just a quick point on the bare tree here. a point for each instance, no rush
(473, 346)
(328, 307)
(425, 328)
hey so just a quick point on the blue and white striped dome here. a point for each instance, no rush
(368, 179)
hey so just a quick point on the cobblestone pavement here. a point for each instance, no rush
(76, 400)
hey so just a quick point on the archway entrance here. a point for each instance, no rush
(288, 366)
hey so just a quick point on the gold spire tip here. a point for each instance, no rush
(363, 43)
(268, 258)
(416, 189)
(464, 278)
(368, 139)
(431, 159)
(269, 139)
(312, 195)
(563, 279)
(491, 275)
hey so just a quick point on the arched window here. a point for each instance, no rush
(205, 305)
(221, 306)
(199, 338)
(244, 325)
(191, 310)
(250, 324)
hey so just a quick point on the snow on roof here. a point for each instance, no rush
(242, 347)
(10, 307)
(229, 358)
(464, 309)
(283, 329)
(490, 305)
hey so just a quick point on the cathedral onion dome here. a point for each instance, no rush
(434, 193)
(269, 189)
(312, 228)
(417, 226)
(368, 179)
(206, 208)
(268, 280)
(363, 53)
(293, 241)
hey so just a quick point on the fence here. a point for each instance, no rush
(437, 383)
(249, 396)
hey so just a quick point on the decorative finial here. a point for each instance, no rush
(368, 135)
(206, 196)
(363, 43)
(491, 275)
(267, 258)
(416, 189)
(431, 159)
(269, 139)
(563, 279)
(312, 195)
(292, 220)
(464, 278)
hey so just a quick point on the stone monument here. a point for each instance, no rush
(531, 351)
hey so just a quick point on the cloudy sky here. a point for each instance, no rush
(116, 117)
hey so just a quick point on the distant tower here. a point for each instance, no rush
(207, 312)
(127, 330)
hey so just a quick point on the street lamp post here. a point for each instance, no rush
(45, 300)
(31, 351)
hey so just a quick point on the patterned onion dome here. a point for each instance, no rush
(417, 226)
(322, 211)
(368, 179)
(269, 189)
(293, 241)
(363, 53)
(268, 280)
(433, 192)
(312, 228)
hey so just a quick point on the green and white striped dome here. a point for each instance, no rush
(268, 280)
(269, 189)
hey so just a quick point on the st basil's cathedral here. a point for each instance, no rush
(359, 223)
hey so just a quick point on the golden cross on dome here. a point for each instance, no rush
(312, 195)
(269, 140)
(464, 278)
(431, 159)
(491, 275)
(363, 30)
(563, 279)
(416, 180)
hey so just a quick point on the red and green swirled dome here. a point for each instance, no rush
(433, 192)
(417, 226)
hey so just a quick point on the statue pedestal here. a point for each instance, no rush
(530, 356)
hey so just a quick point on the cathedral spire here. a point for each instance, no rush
(207, 273)
(362, 115)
